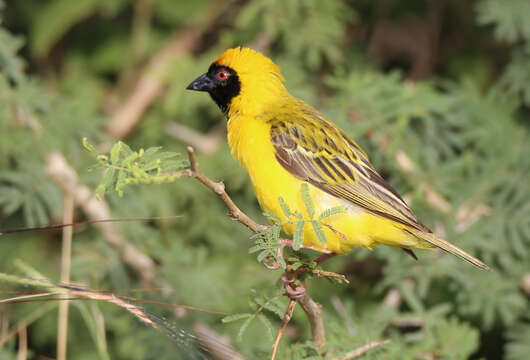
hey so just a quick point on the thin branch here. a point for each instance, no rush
(286, 318)
(36, 298)
(363, 350)
(88, 222)
(82, 292)
(219, 188)
(325, 273)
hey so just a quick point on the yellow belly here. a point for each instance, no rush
(250, 142)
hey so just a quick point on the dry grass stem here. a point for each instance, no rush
(66, 260)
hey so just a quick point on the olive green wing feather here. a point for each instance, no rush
(314, 150)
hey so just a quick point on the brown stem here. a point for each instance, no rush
(314, 313)
(286, 318)
(219, 188)
(325, 273)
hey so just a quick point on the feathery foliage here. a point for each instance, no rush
(437, 93)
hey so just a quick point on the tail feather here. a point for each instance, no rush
(450, 248)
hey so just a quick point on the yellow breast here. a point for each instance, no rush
(249, 140)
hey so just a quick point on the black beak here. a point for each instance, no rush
(202, 83)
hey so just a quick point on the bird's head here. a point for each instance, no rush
(241, 80)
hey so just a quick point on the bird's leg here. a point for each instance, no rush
(294, 290)
(289, 278)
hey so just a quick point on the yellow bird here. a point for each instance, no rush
(283, 143)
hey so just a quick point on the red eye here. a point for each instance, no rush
(222, 75)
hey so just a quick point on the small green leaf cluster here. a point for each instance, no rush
(124, 166)
(266, 241)
(259, 303)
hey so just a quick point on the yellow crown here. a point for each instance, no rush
(243, 60)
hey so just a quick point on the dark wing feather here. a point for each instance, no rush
(314, 150)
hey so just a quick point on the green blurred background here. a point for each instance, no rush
(437, 93)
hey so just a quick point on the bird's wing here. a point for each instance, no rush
(314, 150)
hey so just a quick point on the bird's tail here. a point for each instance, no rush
(447, 246)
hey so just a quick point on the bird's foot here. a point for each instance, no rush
(293, 291)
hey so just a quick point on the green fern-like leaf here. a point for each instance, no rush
(285, 208)
(331, 211)
(317, 227)
(308, 202)
(298, 235)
